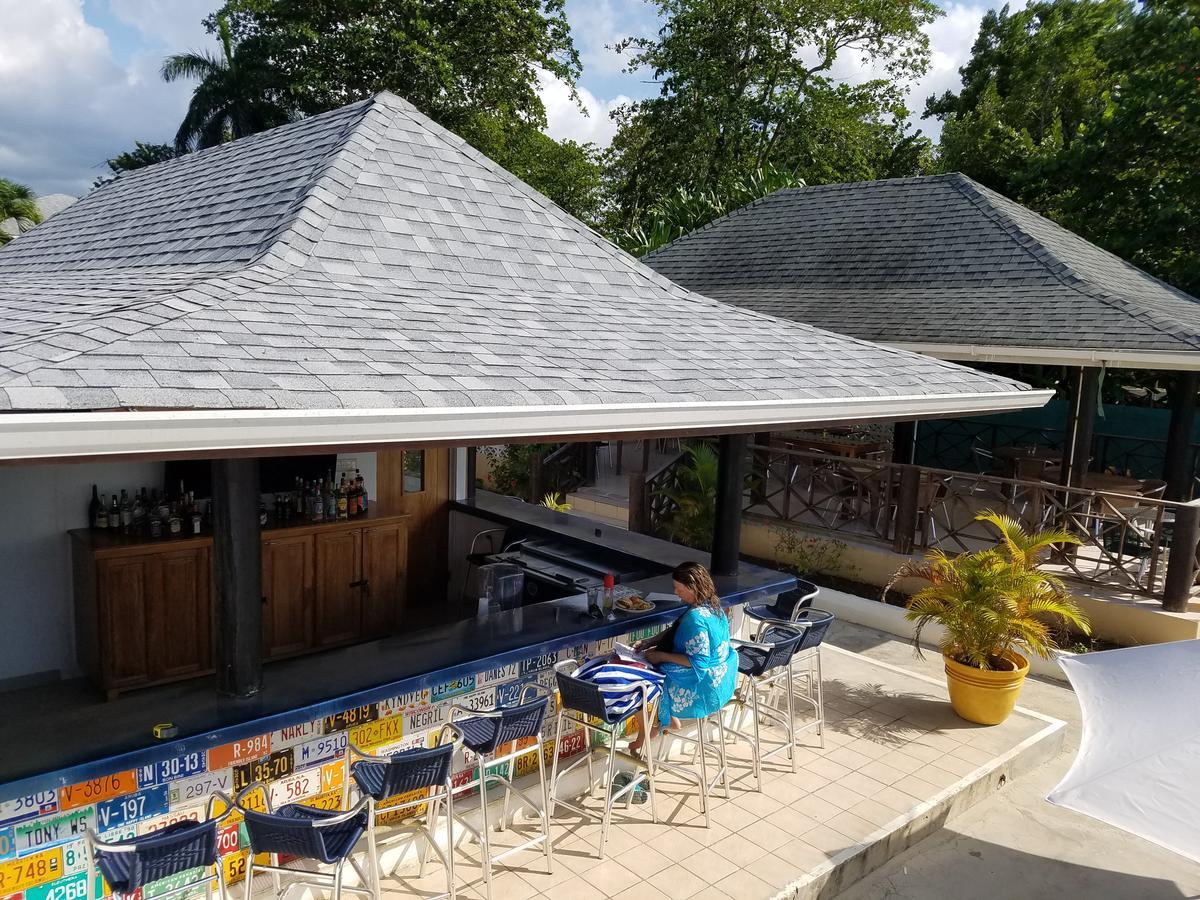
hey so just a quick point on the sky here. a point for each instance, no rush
(79, 78)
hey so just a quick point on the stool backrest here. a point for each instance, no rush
(292, 830)
(818, 622)
(785, 642)
(521, 720)
(403, 772)
(581, 696)
(159, 854)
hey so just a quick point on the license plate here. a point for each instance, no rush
(479, 701)
(536, 663)
(452, 688)
(73, 888)
(495, 676)
(8, 843)
(235, 865)
(175, 816)
(320, 750)
(97, 789)
(199, 787)
(510, 693)
(185, 765)
(395, 706)
(296, 734)
(28, 807)
(424, 718)
(387, 817)
(174, 883)
(131, 808)
(40, 833)
(278, 765)
(296, 788)
(30, 871)
(239, 751)
(328, 800)
(381, 731)
(351, 717)
(228, 839)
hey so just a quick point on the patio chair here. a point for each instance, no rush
(763, 665)
(486, 733)
(129, 865)
(583, 703)
(326, 837)
(390, 782)
(806, 667)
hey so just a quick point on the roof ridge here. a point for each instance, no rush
(745, 207)
(981, 198)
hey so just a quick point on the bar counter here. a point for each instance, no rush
(61, 735)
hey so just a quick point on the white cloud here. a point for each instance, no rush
(566, 121)
(66, 105)
(598, 25)
(176, 24)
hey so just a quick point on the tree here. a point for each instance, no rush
(471, 65)
(1089, 112)
(238, 93)
(139, 157)
(747, 84)
(17, 203)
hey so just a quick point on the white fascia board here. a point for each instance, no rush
(1113, 359)
(80, 435)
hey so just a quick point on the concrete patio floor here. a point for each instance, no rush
(896, 766)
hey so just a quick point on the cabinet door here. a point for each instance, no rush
(339, 587)
(384, 568)
(124, 587)
(179, 615)
(287, 584)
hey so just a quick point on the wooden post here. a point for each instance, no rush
(1181, 566)
(1077, 448)
(1178, 463)
(536, 478)
(727, 528)
(639, 503)
(591, 448)
(646, 445)
(470, 474)
(761, 467)
(904, 537)
(904, 443)
(237, 572)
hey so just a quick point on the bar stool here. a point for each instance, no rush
(382, 779)
(133, 864)
(703, 747)
(806, 666)
(325, 836)
(483, 733)
(764, 665)
(583, 702)
(787, 605)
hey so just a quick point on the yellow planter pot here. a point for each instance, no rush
(983, 696)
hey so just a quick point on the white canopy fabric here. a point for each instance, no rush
(1138, 766)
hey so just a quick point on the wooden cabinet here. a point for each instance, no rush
(144, 610)
(287, 585)
(144, 616)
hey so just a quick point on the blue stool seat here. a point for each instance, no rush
(786, 604)
(403, 772)
(160, 854)
(290, 830)
(483, 734)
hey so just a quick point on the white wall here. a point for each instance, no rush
(38, 505)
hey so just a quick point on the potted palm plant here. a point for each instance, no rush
(997, 606)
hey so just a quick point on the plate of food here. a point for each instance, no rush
(633, 603)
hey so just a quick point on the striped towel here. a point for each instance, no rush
(619, 683)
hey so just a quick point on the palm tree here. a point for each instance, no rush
(235, 96)
(16, 202)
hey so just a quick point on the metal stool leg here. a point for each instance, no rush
(608, 796)
(548, 844)
(485, 830)
(700, 730)
(721, 756)
(757, 748)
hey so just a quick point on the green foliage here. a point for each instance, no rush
(993, 601)
(471, 65)
(683, 211)
(555, 502)
(694, 498)
(804, 554)
(746, 85)
(239, 93)
(1089, 112)
(17, 202)
(510, 467)
(139, 157)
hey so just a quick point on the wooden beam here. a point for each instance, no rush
(1077, 448)
(727, 528)
(1178, 463)
(904, 443)
(237, 573)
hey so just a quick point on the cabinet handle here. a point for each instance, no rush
(362, 583)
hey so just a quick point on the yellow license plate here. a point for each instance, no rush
(30, 871)
(381, 731)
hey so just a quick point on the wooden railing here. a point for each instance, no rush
(650, 503)
(1138, 544)
(560, 471)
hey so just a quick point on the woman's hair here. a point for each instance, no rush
(695, 578)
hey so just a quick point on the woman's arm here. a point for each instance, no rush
(661, 656)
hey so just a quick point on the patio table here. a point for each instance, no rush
(1027, 460)
(848, 445)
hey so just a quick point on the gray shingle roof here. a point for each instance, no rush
(366, 259)
(936, 260)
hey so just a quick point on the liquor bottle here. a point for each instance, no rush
(114, 513)
(330, 498)
(139, 512)
(298, 498)
(126, 512)
(102, 515)
(362, 491)
(316, 507)
(353, 486)
(94, 510)
(343, 499)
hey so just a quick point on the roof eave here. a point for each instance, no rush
(78, 436)
(1115, 358)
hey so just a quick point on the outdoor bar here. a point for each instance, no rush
(357, 294)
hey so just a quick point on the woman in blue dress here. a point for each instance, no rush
(695, 655)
